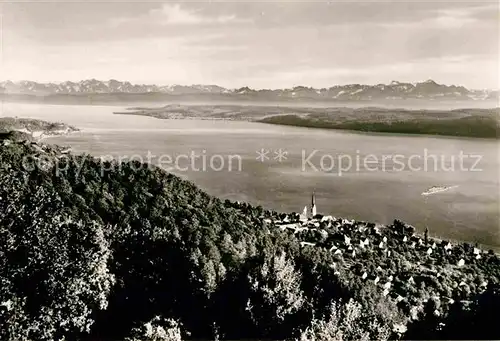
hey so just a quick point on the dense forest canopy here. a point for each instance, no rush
(481, 125)
(115, 251)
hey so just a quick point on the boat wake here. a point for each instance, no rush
(437, 189)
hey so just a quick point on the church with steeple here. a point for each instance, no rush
(311, 213)
(313, 205)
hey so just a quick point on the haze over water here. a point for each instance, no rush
(469, 211)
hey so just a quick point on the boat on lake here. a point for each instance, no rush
(437, 189)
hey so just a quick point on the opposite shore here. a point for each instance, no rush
(468, 123)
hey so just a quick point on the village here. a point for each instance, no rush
(354, 244)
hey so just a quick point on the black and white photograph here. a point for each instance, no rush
(249, 170)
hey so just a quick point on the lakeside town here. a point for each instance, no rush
(249, 170)
(299, 257)
(410, 268)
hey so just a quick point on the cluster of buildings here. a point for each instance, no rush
(348, 239)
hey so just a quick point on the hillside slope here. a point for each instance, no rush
(94, 249)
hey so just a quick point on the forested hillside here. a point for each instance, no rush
(475, 125)
(96, 250)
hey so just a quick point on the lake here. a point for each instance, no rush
(280, 167)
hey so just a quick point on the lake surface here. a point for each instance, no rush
(385, 182)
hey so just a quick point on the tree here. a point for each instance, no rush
(476, 320)
(158, 329)
(427, 326)
(53, 270)
(275, 294)
(345, 322)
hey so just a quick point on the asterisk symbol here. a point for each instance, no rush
(262, 155)
(280, 155)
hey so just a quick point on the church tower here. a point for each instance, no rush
(313, 205)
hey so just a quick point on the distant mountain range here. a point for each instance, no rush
(428, 90)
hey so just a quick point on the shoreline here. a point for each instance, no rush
(431, 236)
(383, 133)
(45, 137)
(346, 126)
(452, 123)
(419, 231)
(395, 134)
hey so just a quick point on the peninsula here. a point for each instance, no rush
(32, 129)
(480, 123)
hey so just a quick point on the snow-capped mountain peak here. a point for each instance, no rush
(428, 89)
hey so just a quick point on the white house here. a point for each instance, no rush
(307, 244)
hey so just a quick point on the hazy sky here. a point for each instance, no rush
(262, 44)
